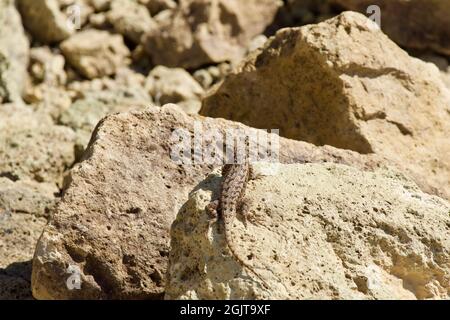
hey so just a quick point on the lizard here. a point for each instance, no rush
(234, 181)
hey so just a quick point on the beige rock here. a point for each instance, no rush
(14, 53)
(102, 96)
(212, 74)
(47, 67)
(345, 84)
(85, 113)
(99, 21)
(19, 233)
(114, 219)
(95, 53)
(203, 77)
(417, 24)
(156, 6)
(32, 147)
(101, 5)
(45, 91)
(200, 32)
(28, 196)
(174, 85)
(18, 237)
(49, 100)
(130, 19)
(323, 231)
(45, 20)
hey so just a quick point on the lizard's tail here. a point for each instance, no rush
(231, 247)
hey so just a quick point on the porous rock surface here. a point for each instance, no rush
(28, 152)
(14, 53)
(315, 231)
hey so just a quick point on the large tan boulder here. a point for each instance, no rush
(95, 53)
(416, 24)
(199, 32)
(315, 231)
(113, 221)
(344, 83)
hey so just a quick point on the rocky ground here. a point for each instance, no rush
(91, 91)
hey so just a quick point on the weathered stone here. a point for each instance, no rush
(212, 75)
(47, 67)
(95, 53)
(101, 5)
(48, 100)
(28, 149)
(45, 20)
(344, 83)
(156, 6)
(319, 231)
(14, 53)
(174, 85)
(100, 97)
(417, 24)
(99, 21)
(18, 236)
(130, 19)
(114, 219)
(28, 196)
(199, 32)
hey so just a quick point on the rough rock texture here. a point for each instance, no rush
(337, 83)
(323, 231)
(114, 219)
(47, 67)
(30, 152)
(45, 20)
(130, 19)
(18, 236)
(95, 53)
(156, 6)
(175, 85)
(28, 196)
(14, 53)
(96, 99)
(417, 24)
(22, 207)
(199, 32)
(46, 90)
